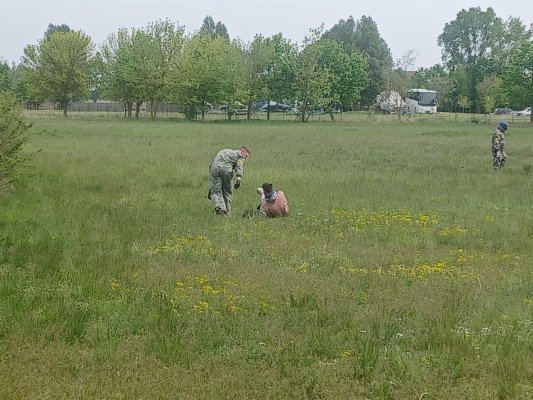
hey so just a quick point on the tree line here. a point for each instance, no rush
(487, 62)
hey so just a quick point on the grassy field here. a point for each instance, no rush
(403, 272)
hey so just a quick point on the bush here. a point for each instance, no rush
(12, 137)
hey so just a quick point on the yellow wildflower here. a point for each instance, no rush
(201, 306)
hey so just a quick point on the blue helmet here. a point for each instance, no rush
(502, 125)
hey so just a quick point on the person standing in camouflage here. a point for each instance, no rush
(498, 144)
(226, 165)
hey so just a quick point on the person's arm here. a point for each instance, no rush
(239, 167)
(239, 171)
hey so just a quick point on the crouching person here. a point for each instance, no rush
(273, 202)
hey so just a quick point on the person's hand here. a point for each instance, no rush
(237, 184)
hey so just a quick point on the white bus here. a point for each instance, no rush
(421, 101)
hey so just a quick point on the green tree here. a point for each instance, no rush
(363, 36)
(12, 137)
(59, 67)
(342, 32)
(488, 106)
(474, 34)
(463, 102)
(119, 77)
(56, 28)
(221, 31)
(141, 54)
(367, 40)
(213, 29)
(138, 64)
(280, 74)
(207, 73)
(6, 80)
(348, 75)
(258, 58)
(96, 81)
(231, 74)
(312, 77)
(472, 44)
(160, 47)
(478, 44)
(515, 32)
(492, 90)
(462, 80)
(521, 69)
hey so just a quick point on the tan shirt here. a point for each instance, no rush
(278, 208)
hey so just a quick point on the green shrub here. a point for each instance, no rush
(12, 137)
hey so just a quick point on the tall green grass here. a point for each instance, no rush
(403, 271)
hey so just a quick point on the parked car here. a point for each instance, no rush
(240, 111)
(503, 110)
(525, 111)
(277, 108)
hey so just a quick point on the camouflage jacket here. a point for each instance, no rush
(498, 139)
(228, 161)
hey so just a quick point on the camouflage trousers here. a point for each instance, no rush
(499, 157)
(221, 189)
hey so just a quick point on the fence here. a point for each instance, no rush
(172, 111)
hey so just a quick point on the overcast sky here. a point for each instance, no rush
(405, 25)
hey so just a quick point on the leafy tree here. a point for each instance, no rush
(96, 81)
(348, 74)
(515, 32)
(488, 105)
(474, 75)
(280, 74)
(472, 35)
(478, 44)
(214, 29)
(161, 48)
(140, 56)
(367, 40)
(258, 58)
(470, 44)
(492, 91)
(312, 77)
(342, 32)
(208, 73)
(5, 77)
(462, 80)
(231, 75)
(363, 36)
(119, 77)
(25, 89)
(521, 69)
(59, 67)
(12, 137)
(463, 102)
(137, 65)
(221, 31)
(56, 28)
(209, 26)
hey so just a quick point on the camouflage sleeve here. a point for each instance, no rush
(239, 167)
(496, 139)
